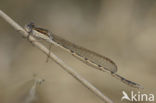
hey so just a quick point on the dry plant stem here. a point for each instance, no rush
(67, 68)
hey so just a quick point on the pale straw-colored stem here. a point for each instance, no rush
(67, 68)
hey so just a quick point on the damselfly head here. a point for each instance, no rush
(29, 27)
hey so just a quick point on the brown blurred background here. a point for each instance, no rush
(123, 30)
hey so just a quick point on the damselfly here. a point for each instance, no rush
(89, 57)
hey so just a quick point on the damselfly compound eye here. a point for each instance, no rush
(29, 27)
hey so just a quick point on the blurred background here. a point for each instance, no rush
(123, 30)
